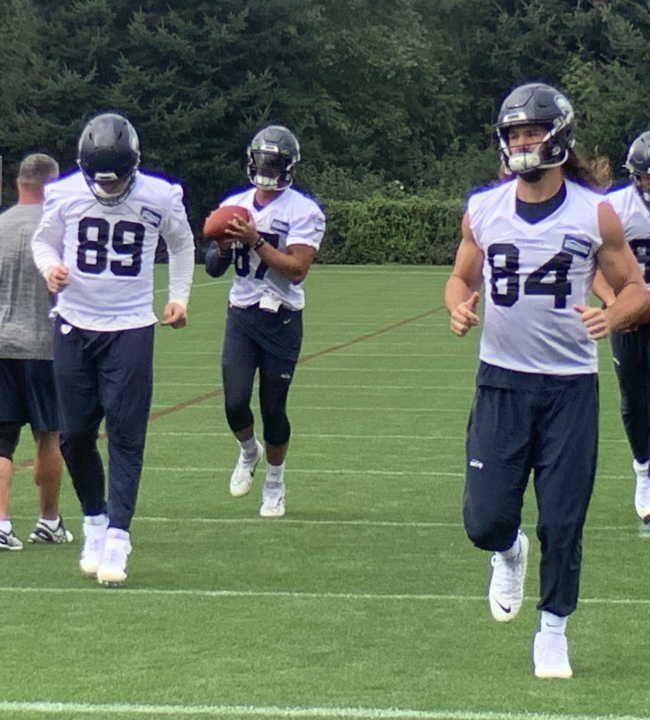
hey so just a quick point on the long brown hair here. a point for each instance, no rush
(595, 174)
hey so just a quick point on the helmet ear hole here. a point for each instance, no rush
(108, 152)
(272, 156)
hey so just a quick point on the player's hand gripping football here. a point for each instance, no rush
(464, 317)
(243, 230)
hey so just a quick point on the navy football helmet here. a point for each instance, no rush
(272, 156)
(638, 162)
(536, 104)
(109, 150)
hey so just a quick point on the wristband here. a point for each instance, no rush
(259, 243)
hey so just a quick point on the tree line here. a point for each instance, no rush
(388, 97)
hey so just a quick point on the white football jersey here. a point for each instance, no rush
(110, 250)
(635, 216)
(533, 275)
(290, 219)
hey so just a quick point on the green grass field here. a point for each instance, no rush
(366, 601)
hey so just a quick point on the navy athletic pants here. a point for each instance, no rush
(269, 342)
(631, 353)
(548, 424)
(104, 375)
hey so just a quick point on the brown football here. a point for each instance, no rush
(216, 224)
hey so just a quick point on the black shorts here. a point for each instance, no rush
(257, 338)
(27, 394)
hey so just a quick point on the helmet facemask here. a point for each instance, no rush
(272, 156)
(536, 104)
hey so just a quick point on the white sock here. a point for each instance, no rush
(274, 473)
(249, 447)
(552, 623)
(96, 520)
(49, 523)
(118, 533)
(512, 552)
(5, 526)
(641, 469)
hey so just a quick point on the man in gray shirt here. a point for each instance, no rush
(27, 393)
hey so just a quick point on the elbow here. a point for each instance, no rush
(297, 277)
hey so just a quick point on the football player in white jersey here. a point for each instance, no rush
(95, 247)
(631, 350)
(534, 242)
(271, 253)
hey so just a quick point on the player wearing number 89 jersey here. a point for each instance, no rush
(95, 246)
(534, 243)
(109, 251)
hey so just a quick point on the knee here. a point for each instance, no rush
(489, 531)
(277, 429)
(71, 442)
(239, 415)
(9, 437)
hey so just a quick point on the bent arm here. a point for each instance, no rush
(461, 290)
(620, 272)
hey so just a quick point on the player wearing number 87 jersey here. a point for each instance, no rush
(95, 246)
(534, 242)
(272, 253)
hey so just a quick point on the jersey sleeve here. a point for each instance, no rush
(47, 240)
(175, 228)
(308, 228)
(177, 234)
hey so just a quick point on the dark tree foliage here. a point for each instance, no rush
(387, 96)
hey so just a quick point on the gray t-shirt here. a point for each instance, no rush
(25, 326)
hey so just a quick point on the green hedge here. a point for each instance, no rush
(413, 230)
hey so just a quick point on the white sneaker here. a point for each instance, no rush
(43, 533)
(551, 656)
(642, 491)
(507, 585)
(241, 479)
(92, 552)
(112, 570)
(9, 541)
(272, 500)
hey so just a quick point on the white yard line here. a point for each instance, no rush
(306, 712)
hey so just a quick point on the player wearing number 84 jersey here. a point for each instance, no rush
(534, 242)
(95, 247)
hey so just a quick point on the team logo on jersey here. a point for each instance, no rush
(151, 216)
(319, 225)
(279, 226)
(576, 246)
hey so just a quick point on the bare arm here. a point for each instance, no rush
(293, 263)
(461, 291)
(602, 290)
(620, 271)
